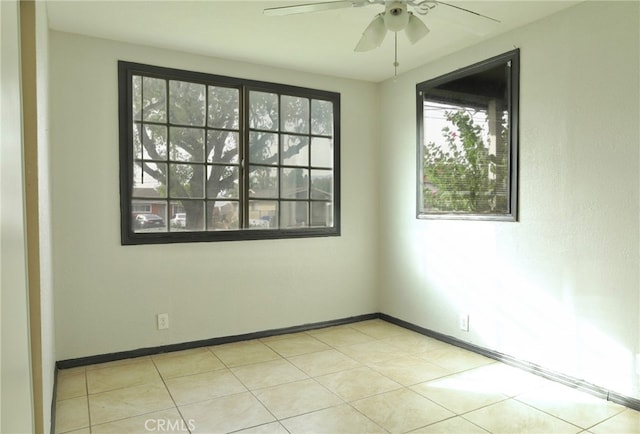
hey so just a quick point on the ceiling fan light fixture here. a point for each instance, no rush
(396, 16)
(373, 35)
(415, 29)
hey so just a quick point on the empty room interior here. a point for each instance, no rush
(317, 278)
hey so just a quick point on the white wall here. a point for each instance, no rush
(107, 295)
(16, 405)
(559, 288)
(47, 325)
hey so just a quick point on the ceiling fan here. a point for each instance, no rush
(396, 17)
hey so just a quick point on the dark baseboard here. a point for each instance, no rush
(102, 358)
(567, 380)
(627, 401)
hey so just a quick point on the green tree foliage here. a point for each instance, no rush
(462, 176)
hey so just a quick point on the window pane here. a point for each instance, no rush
(154, 99)
(154, 141)
(186, 181)
(322, 184)
(321, 118)
(321, 152)
(263, 182)
(149, 180)
(137, 141)
(321, 214)
(223, 215)
(140, 206)
(187, 144)
(222, 146)
(263, 214)
(465, 159)
(295, 150)
(224, 107)
(178, 221)
(186, 103)
(294, 183)
(136, 97)
(263, 148)
(188, 215)
(295, 114)
(263, 111)
(154, 221)
(223, 182)
(294, 214)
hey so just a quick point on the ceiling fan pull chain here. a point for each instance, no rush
(395, 60)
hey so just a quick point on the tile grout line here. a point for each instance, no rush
(403, 387)
(315, 379)
(86, 387)
(408, 388)
(350, 403)
(126, 387)
(344, 401)
(249, 390)
(564, 420)
(608, 418)
(186, 425)
(473, 423)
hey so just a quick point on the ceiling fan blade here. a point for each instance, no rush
(312, 7)
(466, 10)
(415, 29)
(373, 35)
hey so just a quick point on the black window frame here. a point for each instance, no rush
(126, 71)
(512, 60)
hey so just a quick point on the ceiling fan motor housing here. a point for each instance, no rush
(396, 16)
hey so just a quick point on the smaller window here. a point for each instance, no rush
(467, 142)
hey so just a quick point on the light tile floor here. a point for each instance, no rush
(366, 377)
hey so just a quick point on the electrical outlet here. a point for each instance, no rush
(463, 322)
(163, 321)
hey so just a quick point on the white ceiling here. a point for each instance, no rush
(320, 42)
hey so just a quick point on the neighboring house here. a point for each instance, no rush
(147, 205)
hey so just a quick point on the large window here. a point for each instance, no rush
(207, 158)
(467, 142)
